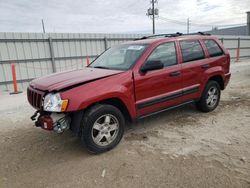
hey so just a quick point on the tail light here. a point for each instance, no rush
(227, 68)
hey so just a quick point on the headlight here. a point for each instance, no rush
(54, 103)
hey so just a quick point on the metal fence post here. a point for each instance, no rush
(52, 54)
(238, 51)
(105, 43)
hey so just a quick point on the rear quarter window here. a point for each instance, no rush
(213, 48)
(191, 50)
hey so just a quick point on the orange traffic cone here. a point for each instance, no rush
(87, 60)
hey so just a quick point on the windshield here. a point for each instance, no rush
(119, 57)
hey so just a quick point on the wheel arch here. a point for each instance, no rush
(118, 103)
(219, 80)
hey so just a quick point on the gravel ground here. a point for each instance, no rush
(178, 148)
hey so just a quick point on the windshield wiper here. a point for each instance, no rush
(101, 67)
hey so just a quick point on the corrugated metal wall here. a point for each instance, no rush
(37, 54)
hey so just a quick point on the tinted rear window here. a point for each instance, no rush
(213, 48)
(191, 51)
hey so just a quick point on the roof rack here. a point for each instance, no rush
(202, 33)
(170, 35)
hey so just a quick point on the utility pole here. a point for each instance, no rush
(248, 23)
(152, 12)
(153, 8)
(43, 26)
(188, 23)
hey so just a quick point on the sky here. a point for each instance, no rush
(117, 16)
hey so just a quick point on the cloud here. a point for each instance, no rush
(117, 15)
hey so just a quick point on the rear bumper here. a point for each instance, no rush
(226, 80)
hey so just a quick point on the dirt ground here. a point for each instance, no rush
(178, 148)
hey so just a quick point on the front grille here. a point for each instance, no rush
(35, 97)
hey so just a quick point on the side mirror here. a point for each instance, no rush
(151, 65)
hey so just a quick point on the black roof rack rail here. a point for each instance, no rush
(198, 33)
(160, 35)
(202, 33)
(170, 35)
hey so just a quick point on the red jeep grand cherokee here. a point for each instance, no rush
(131, 81)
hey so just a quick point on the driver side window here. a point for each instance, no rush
(166, 53)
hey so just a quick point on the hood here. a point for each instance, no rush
(58, 81)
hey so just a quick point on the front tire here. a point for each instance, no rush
(210, 97)
(102, 128)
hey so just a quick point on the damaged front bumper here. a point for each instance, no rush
(58, 122)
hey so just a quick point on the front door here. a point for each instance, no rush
(159, 89)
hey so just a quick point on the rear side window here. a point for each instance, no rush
(191, 51)
(165, 53)
(213, 48)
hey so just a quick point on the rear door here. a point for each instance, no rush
(194, 63)
(159, 89)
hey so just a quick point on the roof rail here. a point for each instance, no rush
(170, 35)
(160, 35)
(202, 33)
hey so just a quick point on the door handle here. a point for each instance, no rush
(206, 66)
(176, 73)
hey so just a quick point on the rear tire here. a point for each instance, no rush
(102, 128)
(210, 97)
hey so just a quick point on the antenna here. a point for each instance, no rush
(43, 26)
